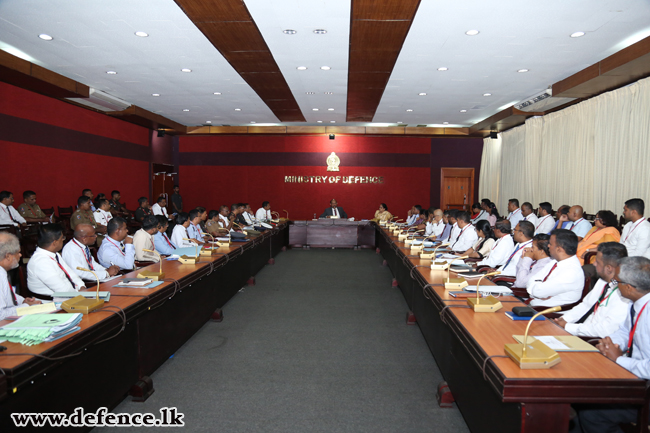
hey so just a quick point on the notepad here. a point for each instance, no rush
(38, 308)
(148, 286)
(490, 289)
(560, 343)
(64, 296)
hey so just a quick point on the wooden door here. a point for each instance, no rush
(457, 188)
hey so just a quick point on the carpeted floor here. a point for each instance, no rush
(319, 344)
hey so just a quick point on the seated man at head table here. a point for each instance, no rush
(466, 236)
(117, 248)
(144, 240)
(180, 237)
(250, 221)
(47, 271)
(143, 209)
(9, 215)
(412, 215)
(561, 281)
(164, 245)
(533, 259)
(628, 346)
(194, 229)
(448, 226)
(30, 210)
(502, 248)
(226, 222)
(83, 215)
(334, 211)
(545, 222)
(435, 225)
(76, 253)
(212, 224)
(523, 236)
(455, 231)
(264, 213)
(603, 309)
(528, 214)
(9, 259)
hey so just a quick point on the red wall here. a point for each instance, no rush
(255, 181)
(58, 149)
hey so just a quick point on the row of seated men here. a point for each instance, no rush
(544, 258)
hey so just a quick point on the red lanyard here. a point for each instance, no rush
(63, 269)
(633, 330)
(32, 211)
(575, 224)
(606, 298)
(549, 274)
(170, 244)
(513, 214)
(90, 263)
(633, 228)
(541, 221)
(496, 243)
(116, 246)
(518, 249)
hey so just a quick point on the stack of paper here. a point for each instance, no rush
(37, 328)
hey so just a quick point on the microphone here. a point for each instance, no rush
(490, 304)
(440, 266)
(455, 283)
(186, 260)
(81, 304)
(205, 252)
(156, 276)
(534, 356)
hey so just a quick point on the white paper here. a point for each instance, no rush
(552, 342)
(490, 289)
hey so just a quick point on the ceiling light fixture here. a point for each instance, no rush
(155, 94)
(422, 94)
(409, 110)
(310, 93)
(208, 121)
(142, 34)
(186, 109)
(472, 32)
(301, 68)
(45, 37)
(186, 70)
(522, 70)
(252, 121)
(289, 32)
(330, 109)
(577, 34)
(325, 68)
(463, 111)
(400, 122)
(319, 121)
(443, 69)
(217, 93)
(445, 123)
(237, 109)
(111, 72)
(314, 109)
(320, 31)
(332, 121)
(329, 93)
(487, 94)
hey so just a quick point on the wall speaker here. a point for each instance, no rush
(493, 135)
(332, 136)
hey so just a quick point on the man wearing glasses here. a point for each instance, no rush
(76, 253)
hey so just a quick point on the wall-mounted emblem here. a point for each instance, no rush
(333, 162)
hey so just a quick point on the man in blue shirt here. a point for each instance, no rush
(117, 248)
(194, 229)
(164, 245)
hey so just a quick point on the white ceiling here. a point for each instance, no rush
(95, 36)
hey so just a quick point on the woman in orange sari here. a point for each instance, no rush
(604, 231)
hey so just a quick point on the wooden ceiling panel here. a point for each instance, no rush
(229, 26)
(377, 33)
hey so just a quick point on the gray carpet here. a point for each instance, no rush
(319, 344)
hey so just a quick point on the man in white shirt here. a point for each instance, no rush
(76, 253)
(10, 255)
(412, 215)
(117, 249)
(502, 247)
(466, 236)
(633, 277)
(9, 215)
(102, 214)
(603, 309)
(436, 226)
(515, 213)
(47, 272)
(523, 236)
(578, 224)
(160, 208)
(179, 234)
(545, 222)
(143, 240)
(562, 280)
(527, 212)
(264, 213)
(479, 213)
(636, 233)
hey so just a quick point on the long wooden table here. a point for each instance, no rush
(100, 364)
(502, 398)
(332, 232)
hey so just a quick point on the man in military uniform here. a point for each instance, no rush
(117, 208)
(30, 210)
(212, 225)
(83, 215)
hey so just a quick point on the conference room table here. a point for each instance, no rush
(120, 345)
(332, 233)
(494, 394)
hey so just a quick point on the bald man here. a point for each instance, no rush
(76, 253)
(436, 226)
(9, 259)
(579, 225)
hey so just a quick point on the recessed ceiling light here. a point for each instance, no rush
(422, 94)
(186, 70)
(487, 94)
(111, 72)
(208, 121)
(45, 37)
(252, 121)
(330, 109)
(310, 93)
(142, 34)
(400, 122)
(472, 32)
(332, 121)
(325, 68)
(445, 123)
(320, 31)
(577, 34)
(443, 69)
(319, 121)
(409, 109)
(314, 109)
(186, 109)
(329, 93)
(463, 111)
(289, 32)
(155, 94)
(237, 109)
(217, 93)
(522, 70)
(301, 68)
